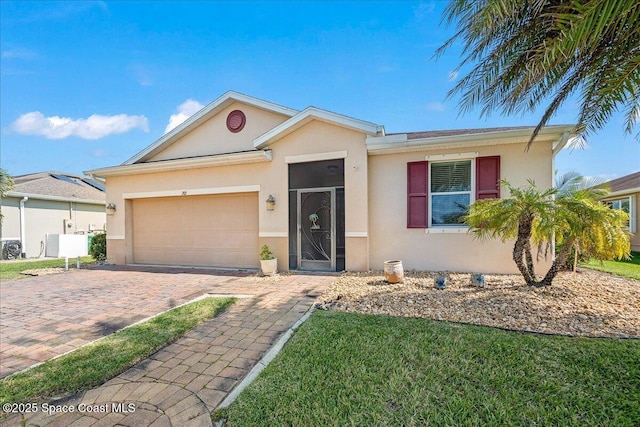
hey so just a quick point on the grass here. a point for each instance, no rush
(627, 268)
(11, 270)
(92, 365)
(353, 369)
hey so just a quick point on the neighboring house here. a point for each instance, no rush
(50, 203)
(625, 195)
(323, 190)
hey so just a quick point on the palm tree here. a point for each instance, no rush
(527, 52)
(6, 185)
(574, 181)
(535, 218)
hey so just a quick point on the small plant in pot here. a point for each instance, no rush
(268, 261)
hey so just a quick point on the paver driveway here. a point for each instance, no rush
(43, 317)
(183, 383)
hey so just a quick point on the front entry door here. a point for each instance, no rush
(317, 229)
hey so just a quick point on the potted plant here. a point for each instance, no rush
(268, 261)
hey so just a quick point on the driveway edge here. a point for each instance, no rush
(264, 361)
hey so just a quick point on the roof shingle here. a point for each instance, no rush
(626, 182)
(59, 184)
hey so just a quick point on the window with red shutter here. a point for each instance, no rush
(417, 194)
(488, 177)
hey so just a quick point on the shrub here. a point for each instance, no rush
(265, 253)
(98, 248)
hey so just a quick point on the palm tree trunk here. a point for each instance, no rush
(521, 245)
(555, 267)
(529, 259)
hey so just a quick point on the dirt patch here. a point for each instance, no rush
(43, 271)
(56, 270)
(589, 303)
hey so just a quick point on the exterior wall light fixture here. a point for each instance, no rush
(111, 208)
(271, 202)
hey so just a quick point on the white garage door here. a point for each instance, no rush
(217, 230)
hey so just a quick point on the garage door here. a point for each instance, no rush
(217, 230)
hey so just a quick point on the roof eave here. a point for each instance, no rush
(20, 194)
(622, 192)
(180, 164)
(205, 114)
(309, 114)
(399, 143)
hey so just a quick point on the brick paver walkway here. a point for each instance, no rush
(43, 317)
(184, 382)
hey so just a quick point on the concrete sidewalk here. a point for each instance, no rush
(183, 383)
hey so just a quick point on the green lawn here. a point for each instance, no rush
(10, 270)
(96, 363)
(627, 268)
(352, 369)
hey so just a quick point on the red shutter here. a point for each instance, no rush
(417, 194)
(488, 177)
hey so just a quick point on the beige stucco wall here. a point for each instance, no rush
(11, 219)
(320, 138)
(213, 137)
(44, 217)
(271, 178)
(390, 239)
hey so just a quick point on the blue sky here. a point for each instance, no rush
(85, 85)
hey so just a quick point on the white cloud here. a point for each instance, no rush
(93, 127)
(423, 10)
(19, 54)
(435, 106)
(185, 110)
(453, 75)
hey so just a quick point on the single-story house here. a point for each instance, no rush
(625, 195)
(50, 203)
(324, 191)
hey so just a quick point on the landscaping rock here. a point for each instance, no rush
(588, 303)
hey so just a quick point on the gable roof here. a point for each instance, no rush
(628, 183)
(313, 113)
(61, 186)
(202, 116)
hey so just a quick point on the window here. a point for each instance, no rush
(628, 205)
(450, 192)
(439, 192)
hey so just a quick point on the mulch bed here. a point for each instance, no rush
(587, 303)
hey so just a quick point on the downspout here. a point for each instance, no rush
(22, 227)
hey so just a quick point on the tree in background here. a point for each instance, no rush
(6, 185)
(526, 52)
(535, 218)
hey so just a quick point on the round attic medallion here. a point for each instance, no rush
(236, 121)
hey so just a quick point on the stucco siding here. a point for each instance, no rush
(391, 239)
(213, 137)
(11, 219)
(270, 177)
(44, 217)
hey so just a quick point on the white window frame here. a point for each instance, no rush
(632, 210)
(432, 229)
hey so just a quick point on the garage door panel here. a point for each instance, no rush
(216, 230)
